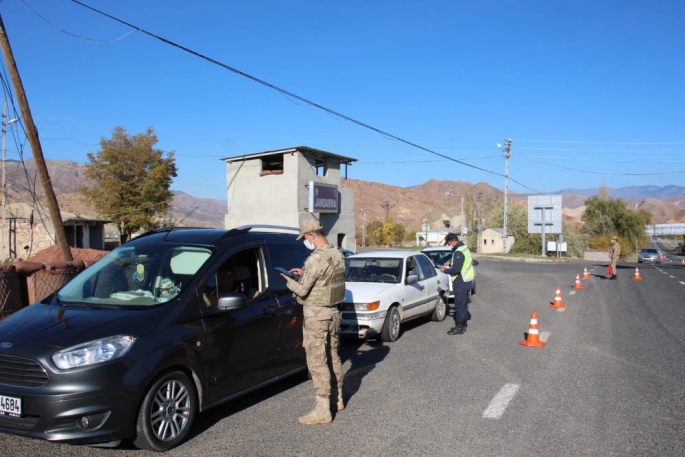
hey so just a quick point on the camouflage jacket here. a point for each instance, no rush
(322, 284)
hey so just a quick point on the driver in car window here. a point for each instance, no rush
(226, 283)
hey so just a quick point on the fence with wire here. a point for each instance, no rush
(23, 283)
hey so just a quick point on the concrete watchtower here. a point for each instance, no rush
(286, 186)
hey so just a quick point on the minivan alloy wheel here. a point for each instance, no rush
(167, 413)
(170, 410)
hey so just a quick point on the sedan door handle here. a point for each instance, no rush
(423, 287)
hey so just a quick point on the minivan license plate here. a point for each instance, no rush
(10, 406)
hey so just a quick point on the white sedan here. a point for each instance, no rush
(386, 288)
(441, 254)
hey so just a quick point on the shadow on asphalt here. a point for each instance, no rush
(362, 361)
(363, 357)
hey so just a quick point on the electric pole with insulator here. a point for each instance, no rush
(507, 153)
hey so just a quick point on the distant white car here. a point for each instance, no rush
(386, 288)
(441, 254)
(649, 255)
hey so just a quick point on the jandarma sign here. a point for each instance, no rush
(323, 198)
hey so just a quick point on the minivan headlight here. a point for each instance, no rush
(93, 352)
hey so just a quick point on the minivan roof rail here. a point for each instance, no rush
(267, 227)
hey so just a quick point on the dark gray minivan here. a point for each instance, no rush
(140, 342)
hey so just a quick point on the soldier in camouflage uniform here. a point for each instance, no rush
(615, 254)
(320, 288)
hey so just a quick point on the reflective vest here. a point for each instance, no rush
(332, 291)
(467, 272)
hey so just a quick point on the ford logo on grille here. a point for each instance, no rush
(6, 345)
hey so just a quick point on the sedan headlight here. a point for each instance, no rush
(373, 306)
(93, 352)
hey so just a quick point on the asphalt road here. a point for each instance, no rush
(610, 382)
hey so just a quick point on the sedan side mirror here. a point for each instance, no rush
(411, 279)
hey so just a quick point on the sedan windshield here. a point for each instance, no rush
(650, 251)
(136, 275)
(373, 270)
(439, 258)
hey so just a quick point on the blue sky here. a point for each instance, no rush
(590, 92)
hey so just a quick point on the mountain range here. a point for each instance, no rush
(435, 200)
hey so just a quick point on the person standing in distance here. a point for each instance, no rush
(615, 254)
(319, 289)
(462, 274)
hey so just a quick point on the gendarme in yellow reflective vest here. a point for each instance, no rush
(467, 272)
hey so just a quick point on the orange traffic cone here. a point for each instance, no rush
(578, 284)
(558, 303)
(586, 275)
(636, 276)
(533, 335)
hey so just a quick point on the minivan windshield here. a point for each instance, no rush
(136, 275)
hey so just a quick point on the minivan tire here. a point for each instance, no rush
(167, 412)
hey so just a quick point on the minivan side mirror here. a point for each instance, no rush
(232, 302)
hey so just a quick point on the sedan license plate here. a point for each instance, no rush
(10, 406)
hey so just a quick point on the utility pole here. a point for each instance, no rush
(363, 227)
(387, 207)
(32, 134)
(4, 132)
(507, 153)
(461, 218)
(425, 227)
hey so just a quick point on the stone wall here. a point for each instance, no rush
(597, 255)
(29, 240)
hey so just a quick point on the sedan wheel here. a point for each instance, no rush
(440, 311)
(167, 413)
(391, 327)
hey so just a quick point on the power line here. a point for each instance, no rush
(400, 162)
(591, 159)
(290, 94)
(622, 151)
(634, 143)
(88, 40)
(70, 139)
(604, 172)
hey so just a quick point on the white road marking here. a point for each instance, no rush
(671, 276)
(544, 336)
(499, 403)
(573, 292)
(561, 310)
(681, 282)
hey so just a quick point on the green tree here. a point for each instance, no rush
(605, 217)
(393, 232)
(132, 180)
(400, 232)
(576, 242)
(517, 225)
(374, 233)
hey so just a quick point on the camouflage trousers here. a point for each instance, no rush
(321, 346)
(613, 267)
